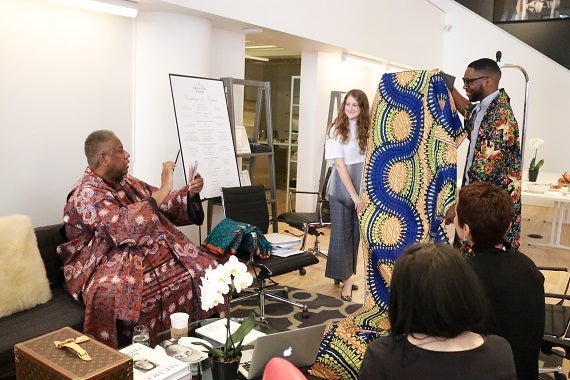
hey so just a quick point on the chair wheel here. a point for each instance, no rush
(559, 376)
(305, 314)
(302, 271)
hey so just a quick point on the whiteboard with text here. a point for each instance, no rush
(204, 132)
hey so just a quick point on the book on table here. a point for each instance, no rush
(152, 364)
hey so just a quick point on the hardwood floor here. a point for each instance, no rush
(536, 220)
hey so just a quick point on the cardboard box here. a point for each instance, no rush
(39, 358)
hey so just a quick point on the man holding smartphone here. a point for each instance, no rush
(125, 258)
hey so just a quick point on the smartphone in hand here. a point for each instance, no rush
(195, 171)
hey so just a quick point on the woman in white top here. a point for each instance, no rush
(346, 144)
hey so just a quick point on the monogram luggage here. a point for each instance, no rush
(40, 359)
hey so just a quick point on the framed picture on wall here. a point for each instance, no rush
(530, 10)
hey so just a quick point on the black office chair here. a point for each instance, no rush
(556, 340)
(249, 204)
(310, 222)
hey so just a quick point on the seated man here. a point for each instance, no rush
(125, 258)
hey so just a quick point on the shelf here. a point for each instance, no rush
(259, 154)
(258, 138)
(292, 143)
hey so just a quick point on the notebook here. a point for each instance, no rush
(299, 346)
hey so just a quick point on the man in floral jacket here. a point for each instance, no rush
(494, 151)
(125, 257)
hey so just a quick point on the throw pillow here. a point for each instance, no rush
(24, 283)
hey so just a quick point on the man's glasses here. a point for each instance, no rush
(468, 81)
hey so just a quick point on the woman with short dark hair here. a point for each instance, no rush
(514, 285)
(437, 312)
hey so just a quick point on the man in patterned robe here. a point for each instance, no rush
(494, 151)
(125, 257)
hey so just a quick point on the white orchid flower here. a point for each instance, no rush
(234, 267)
(242, 281)
(218, 282)
(210, 297)
(536, 142)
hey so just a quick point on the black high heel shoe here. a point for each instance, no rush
(338, 282)
(347, 298)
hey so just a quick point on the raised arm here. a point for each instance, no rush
(461, 102)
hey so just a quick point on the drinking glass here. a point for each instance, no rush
(141, 335)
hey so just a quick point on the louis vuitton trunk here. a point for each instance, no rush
(40, 359)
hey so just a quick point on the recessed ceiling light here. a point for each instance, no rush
(251, 30)
(101, 7)
(264, 47)
(263, 59)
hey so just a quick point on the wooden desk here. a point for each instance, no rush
(561, 215)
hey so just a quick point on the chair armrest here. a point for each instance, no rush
(303, 192)
(294, 192)
(554, 269)
(558, 296)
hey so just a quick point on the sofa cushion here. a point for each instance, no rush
(24, 281)
(62, 310)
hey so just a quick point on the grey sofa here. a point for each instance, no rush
(62, 310)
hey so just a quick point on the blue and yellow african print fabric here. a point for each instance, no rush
(409, 183)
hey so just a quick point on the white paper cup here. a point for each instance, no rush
(178, 325)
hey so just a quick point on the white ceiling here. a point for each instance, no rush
(287, 46)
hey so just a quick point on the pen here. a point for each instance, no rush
(177, 155)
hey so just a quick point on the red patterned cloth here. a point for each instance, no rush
(126, 259)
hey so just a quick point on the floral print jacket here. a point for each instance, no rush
(497, 156)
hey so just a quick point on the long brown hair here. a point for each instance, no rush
(342, 125)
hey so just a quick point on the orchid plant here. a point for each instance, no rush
(218, 286)
(535, 143)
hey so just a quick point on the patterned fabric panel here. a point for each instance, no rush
(409, 183)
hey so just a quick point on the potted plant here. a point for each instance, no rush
(534, 165)
(218, 286)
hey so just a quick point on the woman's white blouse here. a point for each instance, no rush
(349, 151)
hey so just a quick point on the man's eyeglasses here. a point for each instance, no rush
(468, 81)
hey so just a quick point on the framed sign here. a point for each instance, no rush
(204, 132)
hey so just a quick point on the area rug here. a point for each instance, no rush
(281, 316)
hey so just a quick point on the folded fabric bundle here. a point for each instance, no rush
(230, 237)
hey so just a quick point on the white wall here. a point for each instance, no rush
(166, 43)
(64, 72)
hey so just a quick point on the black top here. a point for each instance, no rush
(395, 358)
(515, 288)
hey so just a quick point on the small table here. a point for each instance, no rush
(204, 372)
(561, 215)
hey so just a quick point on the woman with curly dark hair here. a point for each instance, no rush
(345, 145)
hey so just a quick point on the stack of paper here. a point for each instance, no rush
(284, 245)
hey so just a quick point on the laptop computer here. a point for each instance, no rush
(299, 346)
